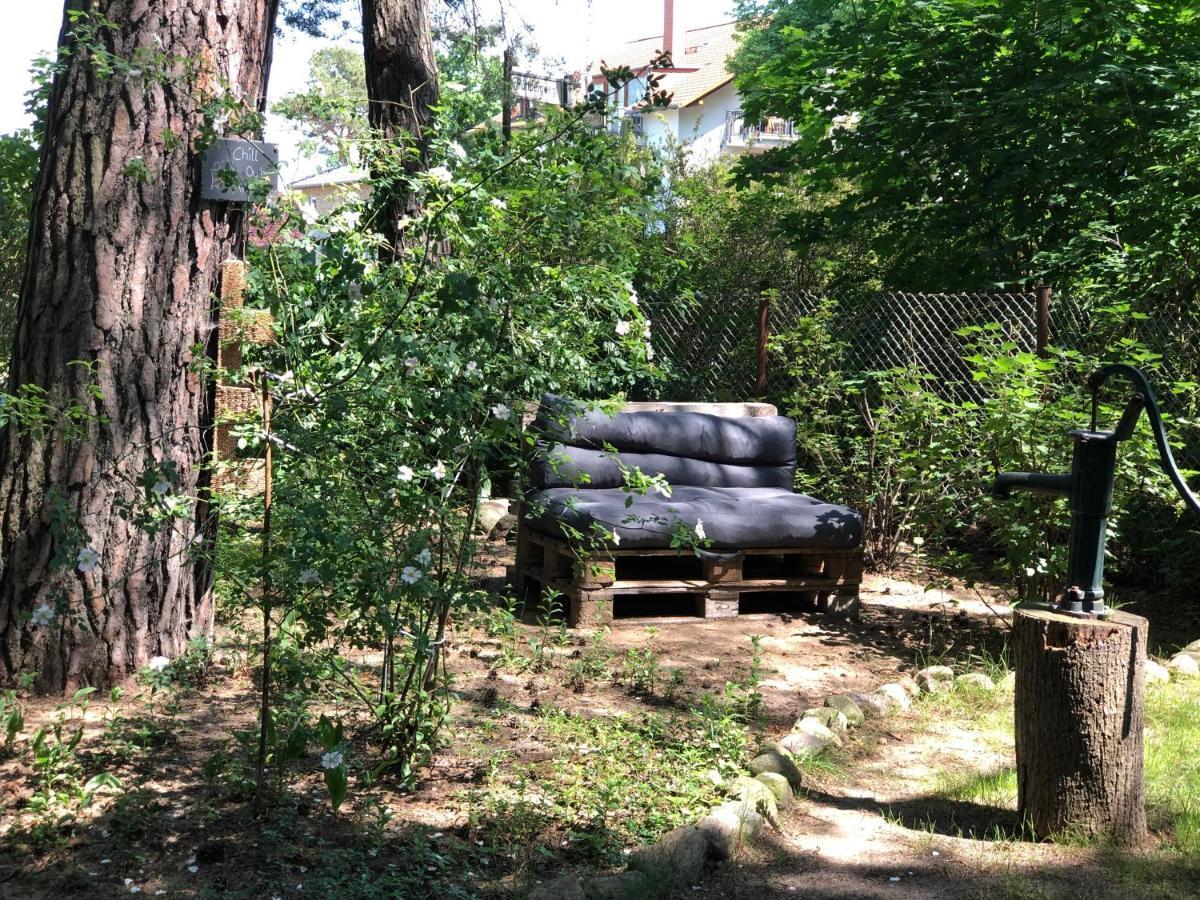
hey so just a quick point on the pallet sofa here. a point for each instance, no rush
(735, 474)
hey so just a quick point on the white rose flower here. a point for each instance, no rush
(616, 539)
(457, 151)
(649, 352)
(622, 328)
(439, 470)
(500, 411)
(157, 663)
(411, 363)
(410, 574)
(309, 576)
(440, 173)
(633, 296)
(425, 557)
(87, 560)
(700, 535)
(646, 330)
(497, 203)
(43, 615)
(405, 473)
(332, 759)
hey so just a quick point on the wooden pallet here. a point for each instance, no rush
(825, 580)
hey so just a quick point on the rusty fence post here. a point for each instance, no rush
(764, 333)
(1043, 318)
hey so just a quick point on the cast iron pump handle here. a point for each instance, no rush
(1089, 486)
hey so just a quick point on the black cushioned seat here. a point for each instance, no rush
(734, 518)
(734, 474)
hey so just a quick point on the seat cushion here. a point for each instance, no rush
(687, 448)
(734, 518)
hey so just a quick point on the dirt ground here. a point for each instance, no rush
(865, 829)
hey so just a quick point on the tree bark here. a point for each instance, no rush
(402, 90)
(1079, 721)
(122, 266)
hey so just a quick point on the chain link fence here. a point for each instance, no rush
(711, 350)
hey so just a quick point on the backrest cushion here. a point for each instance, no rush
(687, 448)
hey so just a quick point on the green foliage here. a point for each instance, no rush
(612, 782)
(471, 75)
(398, 377)
(919, 462)
(60, 790)
(975, 142)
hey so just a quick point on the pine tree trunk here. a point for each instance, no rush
(402, 90)
(121, 272)
(1079, 721)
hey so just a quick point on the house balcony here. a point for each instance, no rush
(620, 119)
(748, 136)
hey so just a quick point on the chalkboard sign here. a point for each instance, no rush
(232, 168)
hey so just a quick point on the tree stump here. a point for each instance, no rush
(1079, 722)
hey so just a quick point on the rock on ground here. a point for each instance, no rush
(976, 679)
(1184, 664)
(778, 760)
(874, 705)
(1156, 672)
(490, 513)
(778, 785)
(900, 698)
(760, 797)
(846, 706)
(833, 719)
(728, 826)
(677, 857)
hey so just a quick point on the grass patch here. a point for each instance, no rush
(1173, 763)
(604, 784)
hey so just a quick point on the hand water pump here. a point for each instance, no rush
(1079, 710)
(1089, 485)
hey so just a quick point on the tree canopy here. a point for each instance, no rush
(990, 142)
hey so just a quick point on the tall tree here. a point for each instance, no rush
(98, 572)
(402, 90)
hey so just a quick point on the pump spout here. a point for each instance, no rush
(1034, 482)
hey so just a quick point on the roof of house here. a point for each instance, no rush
(705, 49)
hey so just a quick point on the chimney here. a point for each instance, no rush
(673, 39)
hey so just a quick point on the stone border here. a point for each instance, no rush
(677, 859)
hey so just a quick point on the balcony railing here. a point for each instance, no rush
(756, 135)
(623, 118)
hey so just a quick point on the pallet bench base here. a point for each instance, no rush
(824, 580)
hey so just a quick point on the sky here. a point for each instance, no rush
(576, 32)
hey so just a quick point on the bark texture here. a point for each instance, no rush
(402, 90)
(122, 267)
(1079, 721)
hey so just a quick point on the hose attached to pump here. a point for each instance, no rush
(1145, 396)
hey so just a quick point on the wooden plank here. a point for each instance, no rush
(594, 572)
(589, 609)
(692, 586)
(718, 605)
(715, 571)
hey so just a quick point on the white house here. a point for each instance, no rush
(705, 110)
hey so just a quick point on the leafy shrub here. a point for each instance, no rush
(919, 462)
